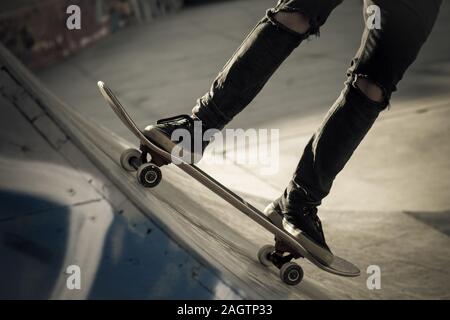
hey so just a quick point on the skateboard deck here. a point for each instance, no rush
(280, 255)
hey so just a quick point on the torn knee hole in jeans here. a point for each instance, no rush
(310, 30)
(372, 90)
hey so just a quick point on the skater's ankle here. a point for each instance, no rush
(295, 197)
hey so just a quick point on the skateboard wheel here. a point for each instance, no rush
(264, 255)
(130, 159)
(149, 175)
(291, 273)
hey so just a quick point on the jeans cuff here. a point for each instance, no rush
(210, 115)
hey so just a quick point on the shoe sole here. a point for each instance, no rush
(323, 255)
(272, 214)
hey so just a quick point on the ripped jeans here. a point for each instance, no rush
(383, 57)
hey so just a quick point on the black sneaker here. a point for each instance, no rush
(187, 143)
(305, 226)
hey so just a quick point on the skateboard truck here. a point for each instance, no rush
(281, 256)
(144, 154)
(148, 174)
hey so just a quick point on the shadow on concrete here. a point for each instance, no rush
(35, 236)
(136, 266)
(439, 220)
(33, 239)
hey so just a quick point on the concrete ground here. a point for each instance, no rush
(389, 207)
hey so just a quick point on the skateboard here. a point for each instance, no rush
(147, 161)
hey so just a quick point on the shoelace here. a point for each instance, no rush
(179, 117)
(170, 122)
(174, 118)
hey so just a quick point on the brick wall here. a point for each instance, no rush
(37, 34)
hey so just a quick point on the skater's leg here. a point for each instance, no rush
(244, 75)
(265, 48)
(378, 66)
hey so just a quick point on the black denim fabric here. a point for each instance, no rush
(245, 74)
(329, 149)
(386, 53)
(383, 57)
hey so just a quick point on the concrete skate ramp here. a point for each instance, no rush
(66, 201)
